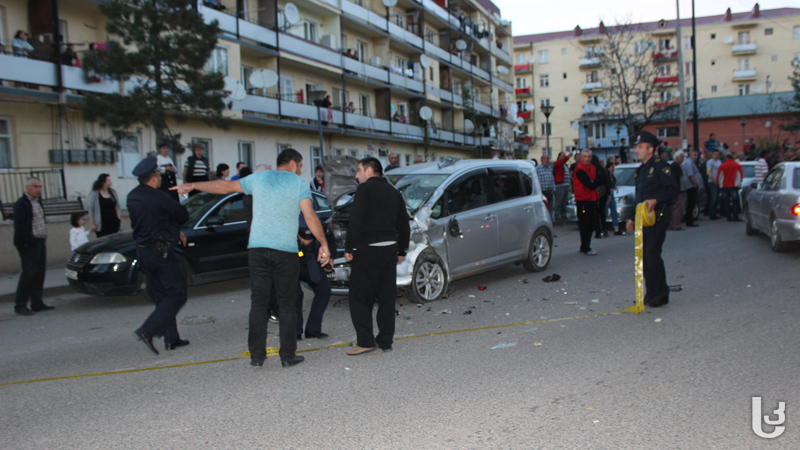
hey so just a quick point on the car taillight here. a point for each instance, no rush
(546, 203)
(796, 209)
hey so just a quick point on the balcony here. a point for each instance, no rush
(666, 80)
(592, 87)
(589, 63)
(665, 54)
(527, 115)
(522, 68)
(744, 49)
(43, 73)
(744, 75)
(522, 92)
(662, 105)
(231, 25)
(501, 53)
(364, 15)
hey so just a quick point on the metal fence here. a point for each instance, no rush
(12, 183)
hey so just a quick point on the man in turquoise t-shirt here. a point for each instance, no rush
(279, 196)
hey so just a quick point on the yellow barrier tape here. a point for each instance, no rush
(272, 351)
(644, 218)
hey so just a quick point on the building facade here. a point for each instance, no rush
(738, 54)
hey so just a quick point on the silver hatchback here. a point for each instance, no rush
(773, 207)
(467, 217)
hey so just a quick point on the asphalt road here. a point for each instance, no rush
(681, 376)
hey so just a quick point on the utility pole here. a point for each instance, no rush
(681, 81)
(695, 119)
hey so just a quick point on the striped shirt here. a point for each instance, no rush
(761, 169)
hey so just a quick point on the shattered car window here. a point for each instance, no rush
(416, 188)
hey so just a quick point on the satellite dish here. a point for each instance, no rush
(239, 93)
(504, 22)
(461, 44)
(529, 107)
(425, 113)
(468, 126)
(728, 39)
(291, 13)
(230, 84)
(263, 78)
(502, 69)
(389, 3)
(423, 61)
(520, 121)
(531, 59)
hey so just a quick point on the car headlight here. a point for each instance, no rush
(108, 258)
(339, 232)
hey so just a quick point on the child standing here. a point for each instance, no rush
(77, 235)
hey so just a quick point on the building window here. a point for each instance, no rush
(408, 159)
(400, 64)
(309, 30)
(430, 71)
(429, 35)
(796, 32)
(287, 89)
(218, 62)
(129, 155)
(713, 88)
(544, 55)
(282, 147)
(744, 89)
(688, 68)
(400, 20)
(664, 44)
(522, 83)
(544, 80)
(689, 93)
(520, 59)
(640, 72)
(744, 37)
(545, 102)
(547, 129)
(566, 99)
(687, 42)
(713, 35)
(666, 96)
(338, 151)
(744, 63)
(767, 31)
(564, 51)
(665, 70)
(592, 77)
(316, 157)
(5, 143)
(565, 75)
(353, 152)
(666, 132)
(361, 51)
(363, 105)
(639, 47)
(246, 153)
(774, 58)
(597, 130)
(522, 106)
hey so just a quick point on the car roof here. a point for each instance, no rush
(448, 167)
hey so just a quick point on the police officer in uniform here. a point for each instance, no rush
(315, 276)
(155, 219)
(656, 186)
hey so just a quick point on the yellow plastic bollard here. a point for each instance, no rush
(644, 218)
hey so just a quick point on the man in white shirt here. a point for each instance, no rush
(168, 171)
(712, 168)
(693, 175)
(761, 166)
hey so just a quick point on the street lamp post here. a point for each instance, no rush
(743, 121)
(547, 110)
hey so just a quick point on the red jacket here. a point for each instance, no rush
(558, 169)
(582, 192)
(730, 174)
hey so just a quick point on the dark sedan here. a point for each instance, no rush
(216, 249)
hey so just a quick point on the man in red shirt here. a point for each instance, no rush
(586, 200)
(561, 177)
(729, 179)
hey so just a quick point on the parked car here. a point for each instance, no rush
(467, 217)
(748, 178)
(773, 207)
(216, 249)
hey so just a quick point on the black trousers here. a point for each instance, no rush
(691, 202)
(167, 281)
(587, 219)
(268, 268)
(601, 215)
(31, 280)
(321, 286)
(373, 278)
(655, 275)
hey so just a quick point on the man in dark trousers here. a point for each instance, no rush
(315, 276)
(30, 233)
(156, 220)
(377, 239)
(655, 185)
(585, 186)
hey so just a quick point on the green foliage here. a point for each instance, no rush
(793, 105)
(158, 48)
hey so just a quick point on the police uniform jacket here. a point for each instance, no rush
(654, 180)
(153, 214)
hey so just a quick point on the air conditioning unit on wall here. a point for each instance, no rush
(329, 40)
(375, 61)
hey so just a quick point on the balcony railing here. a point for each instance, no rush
(666, 80)
(744, 75)
(592, 86)
(243, 28)
(520, 68)
(662, 105)
(586, 63)
(523, 91)
(665, 54)
(744, 49)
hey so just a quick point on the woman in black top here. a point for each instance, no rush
(104, 209)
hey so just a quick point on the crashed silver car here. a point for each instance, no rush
(467, 217)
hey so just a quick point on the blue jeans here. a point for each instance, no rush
(713, 193)
(612, 205)
(728, 196)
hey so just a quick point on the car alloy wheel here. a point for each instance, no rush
(539, 252)
(429, 280)
(775, 237)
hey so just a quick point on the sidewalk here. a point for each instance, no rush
(54, 278)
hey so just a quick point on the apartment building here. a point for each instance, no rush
(738, 54)
(380, 61)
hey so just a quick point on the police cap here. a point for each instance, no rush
(146, 166)
(644, 136)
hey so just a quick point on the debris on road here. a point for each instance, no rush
(444, 311)
(481, 288)
(197, 320)
(658, 320)
(467, 312)
(537, 344)
(525, 281)
(551, 278)
(570, 303)
(505, 344)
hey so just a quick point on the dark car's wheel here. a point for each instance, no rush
(429, 279)
(775, 238)
(748, 225)
(696, 211)
(143, 289)
(539, 252)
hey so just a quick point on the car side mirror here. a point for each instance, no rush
(215, 221)
(454, 229)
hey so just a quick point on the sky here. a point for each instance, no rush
(544, 16)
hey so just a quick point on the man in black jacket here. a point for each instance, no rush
(377, 239)
(30, 233)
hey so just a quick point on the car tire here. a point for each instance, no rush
(539, 252)
(775, 238)
(696, 212)
(143, 289)
(748, 225)
(429, 279)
